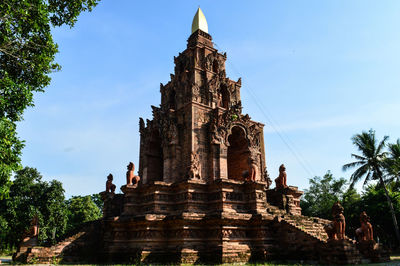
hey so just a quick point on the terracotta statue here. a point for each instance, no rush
(253, 171)
(219, 100)
(110, 187)
(330, 231)
(34, 231)
(131, 177)
(280, 181)
(339, 222)
(194, 171)
(365, 232)
(30, 236)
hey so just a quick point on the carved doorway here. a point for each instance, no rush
(154, 158)
(238, 154)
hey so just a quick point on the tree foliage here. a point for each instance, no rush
(317, 201)
(392, 162)
(81, 209)
(30, 196)
(27, 52)
(322, 194)
(370, 161)
(96, 198)
(374, 203)
(371, 164)
(10, 152)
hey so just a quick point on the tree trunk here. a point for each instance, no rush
(396, 227)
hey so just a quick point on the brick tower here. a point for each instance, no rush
(199, 125)
(203, 191)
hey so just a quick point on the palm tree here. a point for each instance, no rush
(371, 164)
(392, 162)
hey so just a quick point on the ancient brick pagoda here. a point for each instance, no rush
(202, 191)
(202, 194)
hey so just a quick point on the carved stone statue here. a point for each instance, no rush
(219, 100)
(132, 180)
(30, 236)
(266, 178)
(330, 231)
(339, 222)
(365, 232)
(253, 171)
(215, 138)
(34, 230)
(336, 229)
(194, 171)
(280, 181)
(110, 187)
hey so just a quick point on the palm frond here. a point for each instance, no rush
(352, 165)
(358, 174)
(394, 149)
(368, 178)
(381, 145)
(365, 142)
(359, 157)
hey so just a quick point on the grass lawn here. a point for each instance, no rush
(395, 260)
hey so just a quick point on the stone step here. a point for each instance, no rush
(309, 226)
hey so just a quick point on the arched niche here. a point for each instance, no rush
(172, 100)
(154, 158)
(225, 97)
(215, 66)
(238, 153)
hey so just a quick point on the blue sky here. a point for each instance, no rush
(314, 72)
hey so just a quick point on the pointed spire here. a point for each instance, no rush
(199, 22)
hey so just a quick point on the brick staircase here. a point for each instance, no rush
(54, 253)
(80, 244)
(311, 226)
(304, 238)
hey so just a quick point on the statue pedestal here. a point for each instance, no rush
(287, 199)
(112, 204)
(340, 252)
(25, 248)
(373, 251)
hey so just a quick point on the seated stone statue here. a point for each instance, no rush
(365, 232)
(30, 236)
(110, 187)
(339, 222)
(132, 180)
(280, 181)
(336, 229)
(330, 231)
(34, 230)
